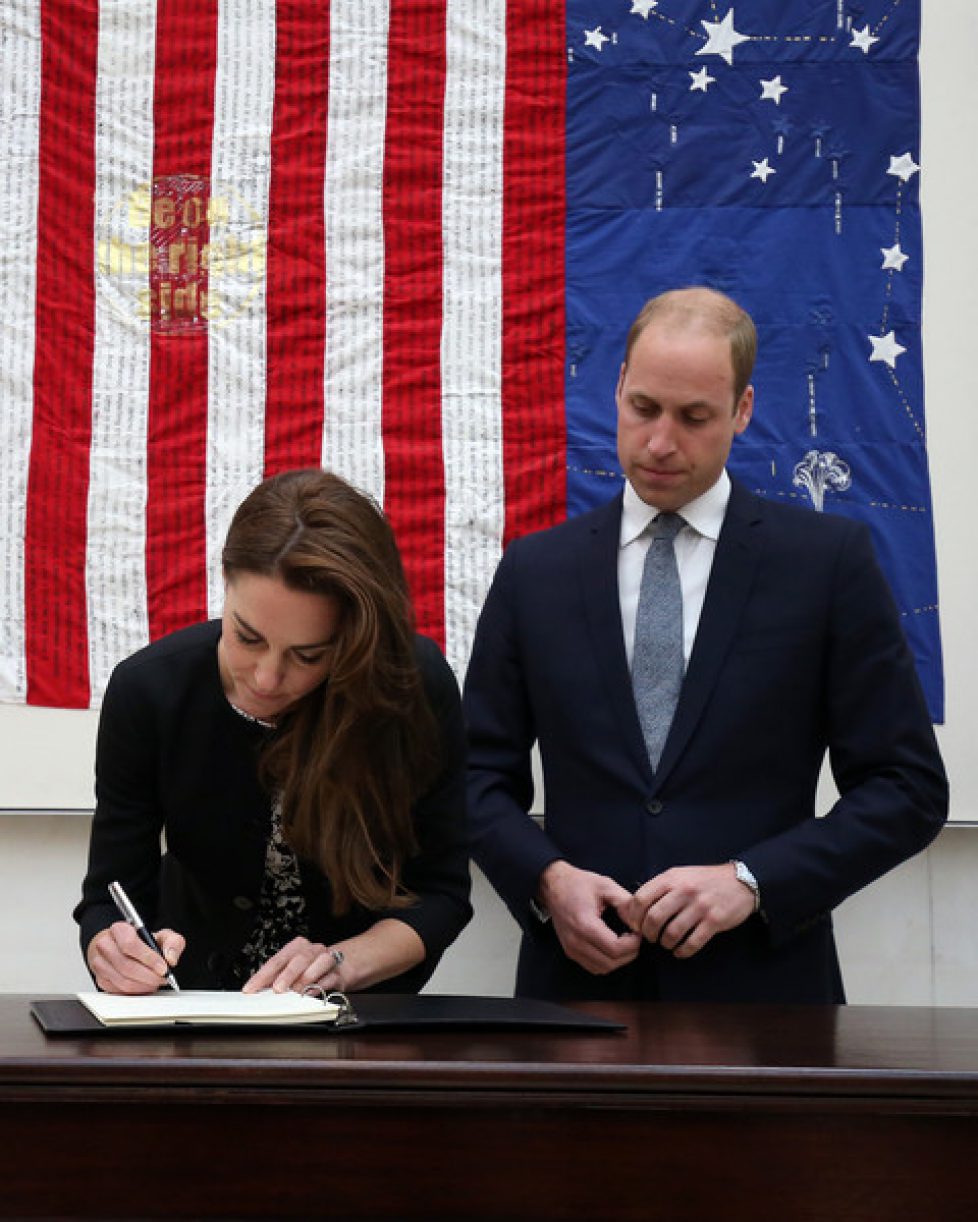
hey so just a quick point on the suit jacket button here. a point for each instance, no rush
(242, 903)
(654, 806)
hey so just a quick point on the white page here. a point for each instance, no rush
(201, 1006)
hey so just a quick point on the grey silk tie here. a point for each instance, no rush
(657, 659)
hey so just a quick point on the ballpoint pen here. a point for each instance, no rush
(129, 913)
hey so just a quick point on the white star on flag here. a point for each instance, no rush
(643, 7)
(885, 348)
(903, 167)
(594, 38)
(893, 258)
(863, 39)
(763, 170)
(702, 80)
(772, 90)
(722, 38)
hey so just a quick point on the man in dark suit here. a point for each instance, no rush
(707, 876)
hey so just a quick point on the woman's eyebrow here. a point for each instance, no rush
(246, 627)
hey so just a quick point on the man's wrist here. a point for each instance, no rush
(745, 875)
(540, 903)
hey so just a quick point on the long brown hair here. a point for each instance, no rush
(352, 756)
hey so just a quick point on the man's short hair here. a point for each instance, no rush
(710, 310)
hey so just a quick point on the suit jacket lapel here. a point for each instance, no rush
(598, 577)
(731, 577)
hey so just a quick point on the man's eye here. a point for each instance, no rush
(245, 639)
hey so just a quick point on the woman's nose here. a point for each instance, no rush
(268, 675)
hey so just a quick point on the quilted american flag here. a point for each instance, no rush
(404, 239)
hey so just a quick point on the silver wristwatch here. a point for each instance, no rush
(747, 878)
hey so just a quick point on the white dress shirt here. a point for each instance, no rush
(695, 546)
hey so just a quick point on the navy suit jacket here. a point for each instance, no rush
(799, 651)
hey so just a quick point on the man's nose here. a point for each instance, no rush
(661, 436)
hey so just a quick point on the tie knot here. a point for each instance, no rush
(666, 526)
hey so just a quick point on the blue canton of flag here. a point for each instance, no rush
(769, 149)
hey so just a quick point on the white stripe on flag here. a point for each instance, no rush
(472, 335)
(244, 95)
(353, 374)
(115, 568)
(20, 102)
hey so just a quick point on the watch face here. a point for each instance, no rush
(744, 875)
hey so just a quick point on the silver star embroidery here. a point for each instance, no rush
(722, 38)
(863, 39)
(885, 348)
(893, 258)
(772, 90)
(702, 80)
(903, 167)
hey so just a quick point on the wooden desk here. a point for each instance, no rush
(788, 1113)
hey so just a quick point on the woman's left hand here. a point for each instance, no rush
(299, 964)
(386, 949)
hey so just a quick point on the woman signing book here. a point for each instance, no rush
(280, 792)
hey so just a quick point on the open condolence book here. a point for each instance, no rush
(202, 1007)
(85, 1013)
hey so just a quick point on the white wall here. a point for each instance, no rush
(949, 182)
(908, 939)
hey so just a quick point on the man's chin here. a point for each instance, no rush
(663, 492)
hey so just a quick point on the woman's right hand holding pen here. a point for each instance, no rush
(122, 963)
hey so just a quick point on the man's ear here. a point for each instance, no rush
(744, 410)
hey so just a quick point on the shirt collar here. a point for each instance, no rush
(705, 514)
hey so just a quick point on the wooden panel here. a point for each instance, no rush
(741, 1112)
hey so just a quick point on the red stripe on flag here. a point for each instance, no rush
(414, 481)
(296, 272)
(183, 116)
(56, 622)
(534, 207)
